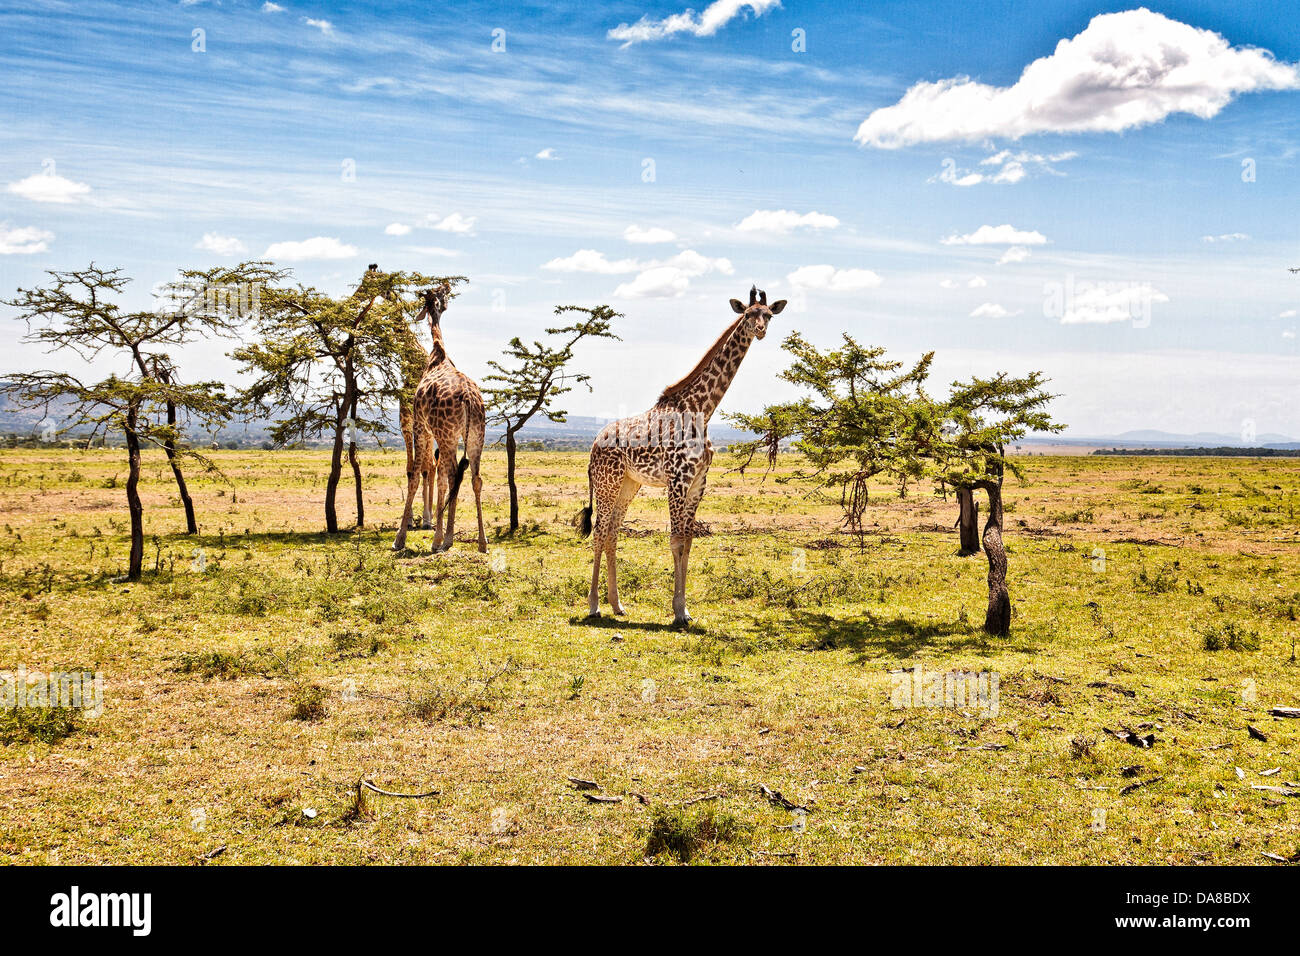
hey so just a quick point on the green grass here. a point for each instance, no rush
(264, 667)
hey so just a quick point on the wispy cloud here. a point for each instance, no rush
(324, 26)
(781, 221)
(715, 16)
(1004, 235)
(991, 310)
(547, 153)
(1226, 237)
(652, 234)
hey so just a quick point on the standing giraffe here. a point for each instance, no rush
(447, 407)
(417, 360)
(668, 446)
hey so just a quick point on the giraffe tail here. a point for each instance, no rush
(455, 481)
(582, 520)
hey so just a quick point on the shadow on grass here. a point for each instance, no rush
(610, 622)
(873, 636)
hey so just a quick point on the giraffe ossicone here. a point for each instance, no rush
(666, 447)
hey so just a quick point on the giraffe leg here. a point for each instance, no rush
(412, 487)
(606, 482)
(683, 498)
(426, 467)
(449, 503)
(474, 450)
(443, 466)
(625, 495)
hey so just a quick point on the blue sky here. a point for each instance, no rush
(1120, 216)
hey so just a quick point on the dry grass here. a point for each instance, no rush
(1120, 568)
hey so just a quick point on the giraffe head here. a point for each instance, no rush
(758, 313)
(435, 303)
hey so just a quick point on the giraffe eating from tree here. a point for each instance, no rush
(446, 408)
(666, 447)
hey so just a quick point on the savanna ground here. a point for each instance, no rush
(261, 669)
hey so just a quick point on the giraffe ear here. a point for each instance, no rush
(776, 307)
(737, 305)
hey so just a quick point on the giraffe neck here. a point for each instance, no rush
(704, 393)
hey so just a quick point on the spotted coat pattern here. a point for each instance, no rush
(667, 447)
(447, 408)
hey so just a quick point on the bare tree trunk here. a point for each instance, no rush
(968, 522)
(336, 469)
(136, 561)
(997, 620)
(169, 446)
(510, 480)
(356, 467)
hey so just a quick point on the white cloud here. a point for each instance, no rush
(991, 310)
(270, 7)
(976, 282)
(547, 153)
(589, 260)
(1103, 303)
(652, 234)
(947, 283)
(44, 187)
(318, 247)
(23, 241)
(716, 15)
(669, 278)
(1288, 333)
(785, 220)
(1124, 70)
(1003, 235)
(1288, 314)
(1014, 254)
(661, 282)
(221, 245)
(396, 229)
(1226, 237)
(453, 222)
(1010, 168)
(832, 279)
(324, 26)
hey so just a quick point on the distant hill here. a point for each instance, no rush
(578, 432)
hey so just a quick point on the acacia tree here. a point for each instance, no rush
(329, 366)
(864, 416)
(979, 419)
(76, 312)
(534, 376)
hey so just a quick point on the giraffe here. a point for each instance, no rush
(668, 446)
(447, 407)
(416, 360)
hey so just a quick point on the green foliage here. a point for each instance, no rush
(533, 376)
(320, 361)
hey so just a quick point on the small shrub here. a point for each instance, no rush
(47, 725)
(1229, 636)
(1161, 581)
(309, 702)
(1081, 748)
(683, 835)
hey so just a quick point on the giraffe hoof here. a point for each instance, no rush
(682, 621)
(593, 615)
(618, 610)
